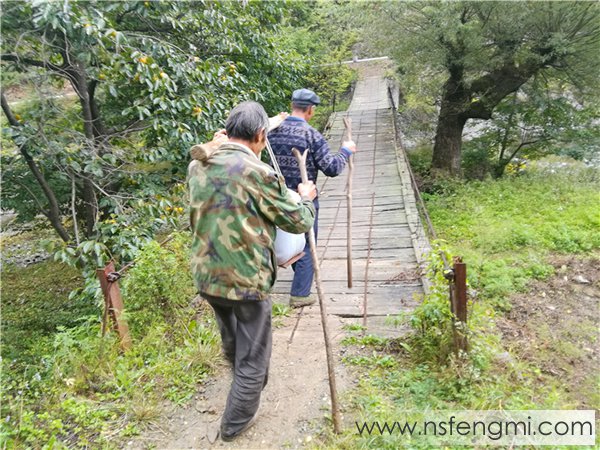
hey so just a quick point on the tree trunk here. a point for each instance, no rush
(448, 139)
(100, 131)
(499, 167)
(91, 207)
(91, 128)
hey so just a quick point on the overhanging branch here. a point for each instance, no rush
(62, 70)
(31, 62)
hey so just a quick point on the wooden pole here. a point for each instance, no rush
(335, 410)
(113, 305)
(348, 125)
(460, 303)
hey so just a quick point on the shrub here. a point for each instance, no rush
(432, 318)
(159, 287)
(476, 162)
(87, 387)
(420, 160)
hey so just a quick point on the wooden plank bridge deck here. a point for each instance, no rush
(387, 235)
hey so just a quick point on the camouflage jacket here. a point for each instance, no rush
(236, 201)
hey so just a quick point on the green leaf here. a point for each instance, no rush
(87, 246)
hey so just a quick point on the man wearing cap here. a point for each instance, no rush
(295, 132)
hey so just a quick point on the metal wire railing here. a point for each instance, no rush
(455, 274)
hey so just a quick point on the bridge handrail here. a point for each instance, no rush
(413, 180)
(456, 275)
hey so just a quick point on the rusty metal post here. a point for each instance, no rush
(460, 304)
(113, 304)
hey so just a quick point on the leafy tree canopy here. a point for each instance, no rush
(149, 79)
(468, 56)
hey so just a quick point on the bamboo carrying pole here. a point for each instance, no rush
(335, 411)
(348, 125)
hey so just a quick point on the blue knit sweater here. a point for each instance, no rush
(295, 132)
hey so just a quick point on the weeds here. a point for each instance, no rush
(353, 327)
(77, 388)
(505, 230)
(281, 310)
(368, 340)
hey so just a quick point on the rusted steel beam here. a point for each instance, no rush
(460, 303)
(460, 279)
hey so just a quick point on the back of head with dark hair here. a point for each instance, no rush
(246, 120)
(303, 108)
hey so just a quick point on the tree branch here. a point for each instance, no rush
(30, 62)
(54, 210)
(524, 144)
(133, 127)
(12, 120)
(492, 87)
(34, 197)
(73, 210)
(508, 127)
(62, 71)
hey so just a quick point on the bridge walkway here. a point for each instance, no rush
(387, 236)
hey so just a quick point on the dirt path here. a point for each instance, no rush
(295, 405)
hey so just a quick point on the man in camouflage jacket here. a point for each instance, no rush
(236, 201)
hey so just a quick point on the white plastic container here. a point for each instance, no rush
(288, 245)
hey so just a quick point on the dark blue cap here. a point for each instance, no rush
(305, 97)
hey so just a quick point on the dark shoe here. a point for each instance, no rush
(231, 437)
(299, 302)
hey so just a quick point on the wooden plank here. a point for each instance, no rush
(337, 196)
(380, 271)
(386, 242)
(380, 231)
(392, 218)
(365, 210)
(386, 253)
(363, 206)
(377, 305)
(375, 246)
(341, 291)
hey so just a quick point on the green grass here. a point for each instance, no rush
(65, 384)
(34, 304)
(279, 312)
(507, 231)
(534, 212)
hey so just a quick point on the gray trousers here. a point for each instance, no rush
(245, 328)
